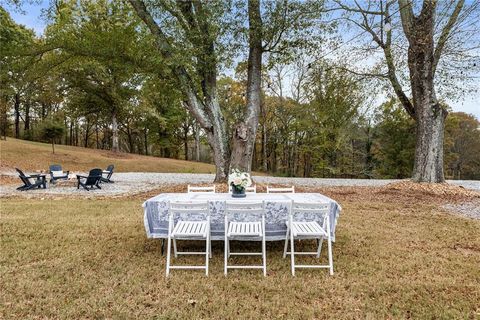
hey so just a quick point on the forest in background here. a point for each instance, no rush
(91, 80)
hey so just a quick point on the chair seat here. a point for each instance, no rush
(311, 228)
(245, 229)
(190, 229)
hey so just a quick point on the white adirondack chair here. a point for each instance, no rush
(188, 230)
(309, 230)
(245, 230)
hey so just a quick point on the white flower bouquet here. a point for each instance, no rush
(239, 180)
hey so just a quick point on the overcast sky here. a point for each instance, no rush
(31, 17)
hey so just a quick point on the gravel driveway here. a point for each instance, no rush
(137, 182)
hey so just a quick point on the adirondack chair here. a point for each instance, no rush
(108, 172)
(92, 180)
(39, 181)
(57, 173)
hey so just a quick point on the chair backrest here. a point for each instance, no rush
(240, 210)
(55, 167)
(310, 211)
(23, 177)
(195, 210)
(191, 189)
(281, 190)
(110, 171)
(93, 176)
(252, 189)
(20, 172)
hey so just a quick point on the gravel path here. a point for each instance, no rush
(137, 182)
(467, 209)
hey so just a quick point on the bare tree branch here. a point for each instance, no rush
(445, 33)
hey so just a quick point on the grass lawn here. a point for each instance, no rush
(33, 156)
(91, 259)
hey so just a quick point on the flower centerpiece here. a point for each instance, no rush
(239, 180)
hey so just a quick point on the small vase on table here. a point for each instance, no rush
(238, 192)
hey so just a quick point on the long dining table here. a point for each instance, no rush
(276, 211)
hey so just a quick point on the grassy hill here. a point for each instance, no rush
(33, 156)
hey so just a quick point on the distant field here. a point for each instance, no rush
(34, 156)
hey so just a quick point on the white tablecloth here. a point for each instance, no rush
(156, 213)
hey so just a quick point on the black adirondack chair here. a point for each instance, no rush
(57, 173)
(38, 181)
(92, 180)
(108, 172)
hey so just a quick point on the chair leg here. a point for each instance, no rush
(162, 249)
(228, 247)
(330, 255)
(207, 253)
(210, 246)
(286, 243)
(320, 243)
(264, 255)
(169, 245)
(292, 254)
(175, 248)
(225, 267)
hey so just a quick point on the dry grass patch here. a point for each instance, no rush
(35, 156)
(91, 259)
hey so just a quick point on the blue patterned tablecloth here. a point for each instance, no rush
(156, 213)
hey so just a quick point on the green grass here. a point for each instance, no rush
(33, 156)
(91, 259)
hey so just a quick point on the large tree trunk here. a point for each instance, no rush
(218, 140)
(245, 131)
(203, 106)
(115, 147)
(428, 164)
(429, 114)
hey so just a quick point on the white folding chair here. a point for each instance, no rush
(310, 229)
(191, 189)
(252, 189)
(188, 229)
(239, 226)
(281, 190)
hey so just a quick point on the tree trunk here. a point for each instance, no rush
(145, 137)
(430, 124)
(218, 140)
(27, 119)
(131, 147)
(197, 142)
(204, 107)
(429, 114)
(185, 139)
(17, 115)
(71, 132)
(53, 145)
(264, 138)
(115, 147)
(87, 133)
(246, 130)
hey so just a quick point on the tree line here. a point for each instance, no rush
(243, 85)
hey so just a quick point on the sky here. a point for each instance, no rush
(31, 17)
